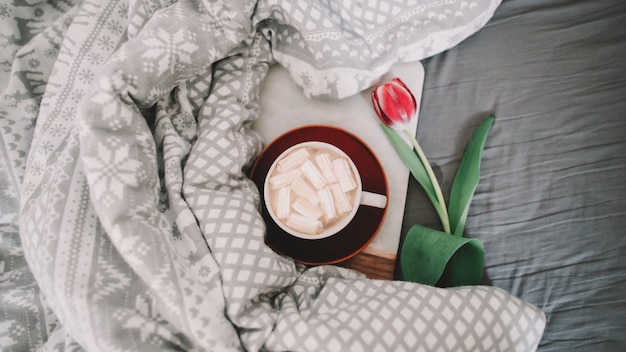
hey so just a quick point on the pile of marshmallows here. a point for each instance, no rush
(312, 188)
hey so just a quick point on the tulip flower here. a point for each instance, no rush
(395, 105)
(429, 256)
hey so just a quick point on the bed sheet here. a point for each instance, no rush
(127, 221)
(550, 207)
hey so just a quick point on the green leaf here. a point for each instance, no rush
(433, 257)
(466, 179)
(412, 161)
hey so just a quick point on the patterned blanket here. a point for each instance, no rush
(126, 220)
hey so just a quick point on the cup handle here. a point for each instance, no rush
(373, 199)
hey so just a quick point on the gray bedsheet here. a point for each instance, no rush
(551, 204)
(550, 207)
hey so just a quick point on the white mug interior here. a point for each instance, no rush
(361, 196)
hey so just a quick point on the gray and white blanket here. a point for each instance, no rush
(126, 219)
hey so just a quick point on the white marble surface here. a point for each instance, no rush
(284, 107)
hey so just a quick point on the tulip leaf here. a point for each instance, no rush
(412, 161)
(466, 179)
(437, 258)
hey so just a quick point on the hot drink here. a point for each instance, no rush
(312, 189)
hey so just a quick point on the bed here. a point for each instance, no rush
(127, 222)
(551, 199)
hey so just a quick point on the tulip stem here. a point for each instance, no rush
(441, 208)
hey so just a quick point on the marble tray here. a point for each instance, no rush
(284, 107)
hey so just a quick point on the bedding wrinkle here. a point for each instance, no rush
(24, 83)
(556, 191)
(144, 233)
(550, 207)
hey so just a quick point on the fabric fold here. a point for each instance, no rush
(136, 217)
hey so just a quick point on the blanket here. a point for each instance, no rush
(127, 222)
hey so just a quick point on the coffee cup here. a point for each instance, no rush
(313, 190)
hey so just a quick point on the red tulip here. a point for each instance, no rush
(394, 104)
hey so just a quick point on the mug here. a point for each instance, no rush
(313, 190)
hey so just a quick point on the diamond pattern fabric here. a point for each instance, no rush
(138, 229)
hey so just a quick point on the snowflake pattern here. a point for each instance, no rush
(68, 113)
(115, 27)
(105, 42)
(94, 58)
(51, 53)
(86, 76)
(57, 130)
(204, 271)
(77, 95)
(112, 168)
(166, 50)
(34, 63)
